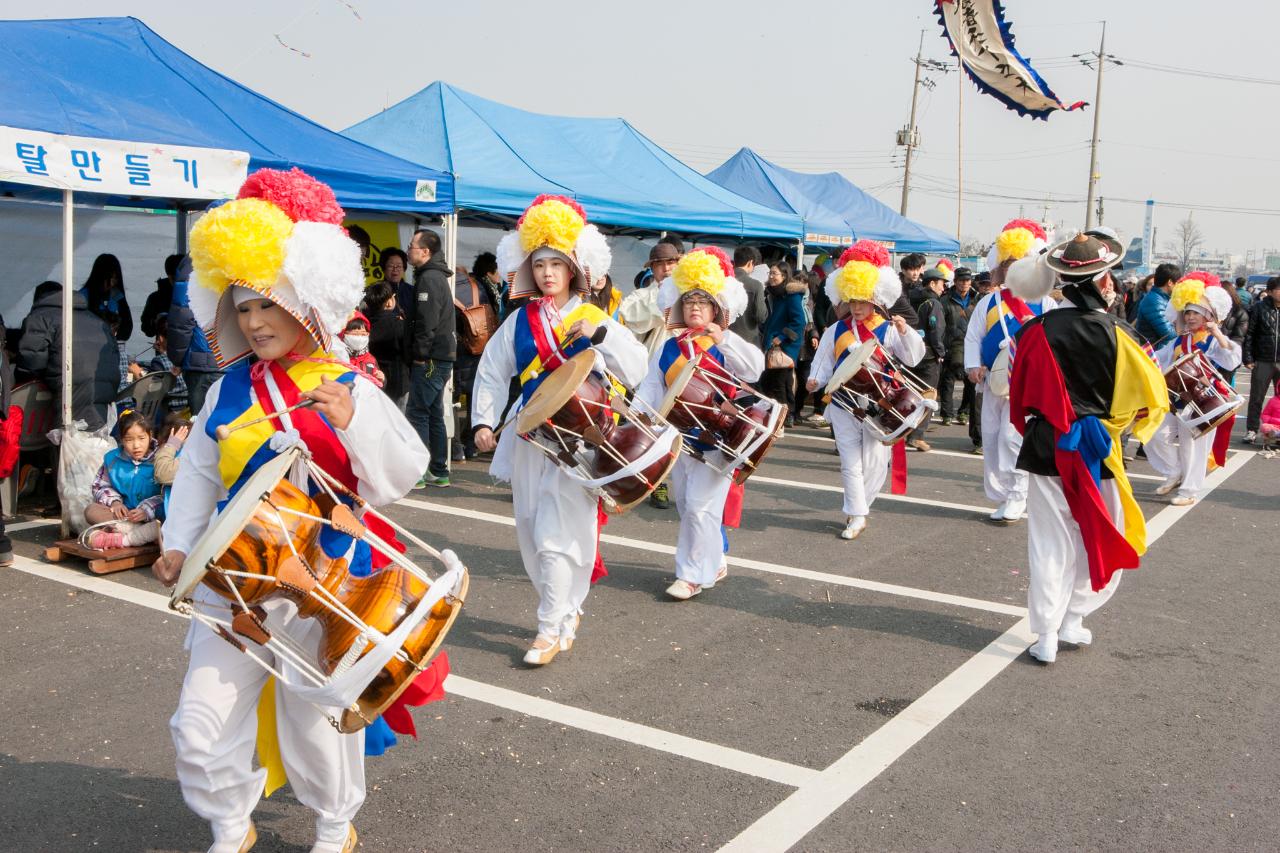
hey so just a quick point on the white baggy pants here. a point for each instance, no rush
(864, 461)
(699, 493)
(1000, 446)
(1189, 459)
(1060, 590)
(215, 730)
(556, 530)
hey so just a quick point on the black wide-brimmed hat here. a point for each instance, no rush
(1085, 254)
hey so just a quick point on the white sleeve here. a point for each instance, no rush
(1165, 355)
(824, 360)
(908, 348)
(623, 354)
(653, 387)
(639, 311)
(743, 359)
(386, 454)
(974, 333)
(493, 377)
(197, 488)
(1048, 304)
(1228, 357)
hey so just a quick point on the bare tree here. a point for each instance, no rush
(1187, 239)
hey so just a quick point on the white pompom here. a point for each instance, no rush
(592, 254)
(323, 265)
(888, 288)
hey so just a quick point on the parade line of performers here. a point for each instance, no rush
(277, 278)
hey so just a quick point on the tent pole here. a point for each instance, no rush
(451, 424)
(68, 252)
(181, 242)
(799, 255)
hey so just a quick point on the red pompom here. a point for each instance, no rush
(719, 255)
(577, 208)
(1209, 279)
(865, 250)
(300, 196)
(1029, 224)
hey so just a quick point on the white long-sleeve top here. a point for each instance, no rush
(1226, 358)
(743, 360)
(386, 456)
(908, 349)
(644, 319)
(977, 328)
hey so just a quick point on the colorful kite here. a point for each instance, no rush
(979, 31)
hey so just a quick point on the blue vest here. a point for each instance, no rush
(135, 481)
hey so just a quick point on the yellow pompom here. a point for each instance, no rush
(1014, 243)
(856, 281)
(1189, 291)
(699, 271)
(551, 223)
(242, 240)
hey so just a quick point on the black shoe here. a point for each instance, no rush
(659, 499)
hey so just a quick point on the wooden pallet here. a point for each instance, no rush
(102, 562)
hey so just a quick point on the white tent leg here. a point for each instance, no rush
(451, 256)
(68, 292)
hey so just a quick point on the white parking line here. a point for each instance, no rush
(634, 733)
(756, 565)
(28, 525)
(795, 817)
(977, 457)
(883, 496)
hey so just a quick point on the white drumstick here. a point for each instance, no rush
(225, 430)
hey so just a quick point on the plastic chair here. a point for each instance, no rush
(148, 393)
(39, 415)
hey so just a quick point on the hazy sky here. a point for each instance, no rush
(817, 86)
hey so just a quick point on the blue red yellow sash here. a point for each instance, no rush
(537, 353)
(1016, 312)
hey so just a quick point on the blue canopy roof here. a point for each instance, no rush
(833, 208)
(502, 157)
(114, 78)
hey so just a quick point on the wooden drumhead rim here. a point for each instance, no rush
(555, 391)
(676, 388)
(851, 365)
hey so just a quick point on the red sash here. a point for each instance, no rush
(898, 457)
(1019, 309)
(548, 348)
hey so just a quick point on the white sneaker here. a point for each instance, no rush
(998, 515)
(1045, 649)
(1182, 500)
(1169, 485)
(1250, 437)
(242, 845)
(682, 590)
(543, 650)
(853, 526)
(1014, 510)
(818, 420)
(1075, 634)
(348, 845)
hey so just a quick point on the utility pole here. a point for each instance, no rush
(1099, 210)
(959, 139)
(1093, 149)
(911, 137)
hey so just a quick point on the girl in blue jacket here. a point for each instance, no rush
(127, 505)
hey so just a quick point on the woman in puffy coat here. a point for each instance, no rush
(785, 330)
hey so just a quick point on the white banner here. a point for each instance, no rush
(115, 167)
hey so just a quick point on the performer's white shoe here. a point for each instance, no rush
(566, 641)
(543, 650)
(682, 590)
(853, 526)
(347, 845)
(1182, 500)
(1014, 510)
(1169, 485)
(1073, 632)
(1045, 649)
(998, 515)
(240, 845)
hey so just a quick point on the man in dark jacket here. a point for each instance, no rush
(430, 348)
(747, 326)
(158, 301)
(933, 325)
(188, 347)
(1152, 321)
(95, 358)
(958, 303)
(1262, 353)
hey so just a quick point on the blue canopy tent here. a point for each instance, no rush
(825, 202)
(87, 103)
(502, 157)
(115, 78)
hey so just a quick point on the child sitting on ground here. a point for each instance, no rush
(356, 337)
(173, 432)
(126, 497)
(1270, 431)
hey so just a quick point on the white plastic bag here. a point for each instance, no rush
(78, 463)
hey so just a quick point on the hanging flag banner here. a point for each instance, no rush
(117, 167)
(982, 38)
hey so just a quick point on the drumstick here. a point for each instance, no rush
(223, 431)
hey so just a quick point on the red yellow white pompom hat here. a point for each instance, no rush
(282, 239)
(1016, 240)
(864, 273)
(947, 269)
(707, 270)
(553, 226)
(1199, 291)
